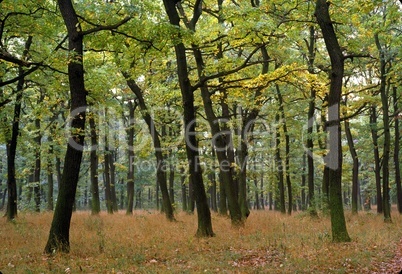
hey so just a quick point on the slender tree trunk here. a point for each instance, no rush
(262, 190)
(287, 149)
(334, 157)
(397, 136)
(60, 229)
(279, 167)
(355, 170)
(50, 182)
(12, 143)
(95, 202)
(377, 165)
(204, 215)
(221, 145)
(130, 154)
(310, 126)
(387, 134)
(112, 159)
(37, 168)
(171, 182)
(160, 159)
(106, 177)
(303, 183)
(183, 191)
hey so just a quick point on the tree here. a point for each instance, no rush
(59, 240)
(334, 157)
(203, 212)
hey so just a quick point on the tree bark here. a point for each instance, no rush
(334, 157)
(386, 199)
(310, 126)
(60, 229)
(287, 149)
(130, 154)
(355, 169)
(397, 136)
(279, 167)
(377, 165)
(203, 213)
(160, 159)
(37, 167)
(12, 143)
(94, 161)
(50, 181)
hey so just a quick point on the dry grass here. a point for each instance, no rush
(147, 243)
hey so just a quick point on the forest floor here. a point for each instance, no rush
(147, 243)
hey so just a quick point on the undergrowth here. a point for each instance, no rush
(147, 243)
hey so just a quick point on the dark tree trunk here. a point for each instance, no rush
(262, 190)
(310, 126)
(12, 143)
(183, 190)
(106, 176)
(279, 167)
(160, 159)
(212, 191)
(130, 152)
(59, 236)
(204, 214)
(377, 165)
(287, 149)
(58, 171)
(223, 210)
(112, 159)
(397, 136)
(171, 182)
(386, 199)
(355, 169)
(37, 168)
(95, 202)
(334, 157)
(50, 181)
(220, 144)
(11, 154)
(303, 183)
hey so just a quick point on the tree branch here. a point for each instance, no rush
(110, 27)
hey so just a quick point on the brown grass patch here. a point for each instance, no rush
(147, 243)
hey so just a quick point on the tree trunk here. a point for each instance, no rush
(12, 143)
(279, 167)
(204, 214)
(183, 191)
(303, 183)
(160, 159)
(386, 199)
(310, 126)
(377, 165)
(223, 210)
(95, 202)
(220, 144)
(112, 159)
(50, 181)
(287, 149)
(60, 229)
(396, 151)
(37, 168)
(106, 175)
(334, 157)
(355, 170)
(130, 154)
